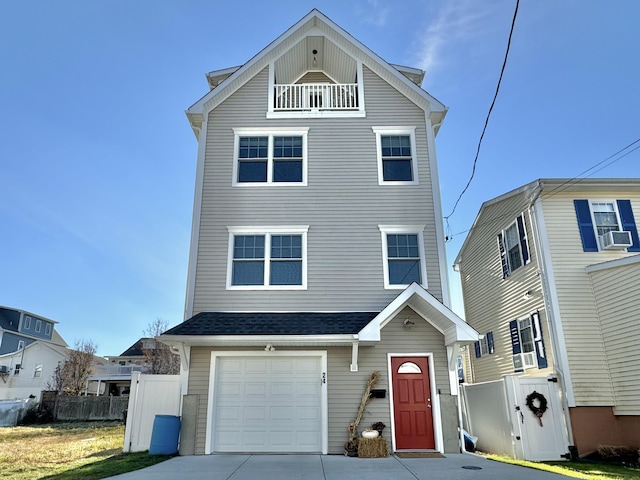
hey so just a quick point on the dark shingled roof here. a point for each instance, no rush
(303, 323)
(134, 350)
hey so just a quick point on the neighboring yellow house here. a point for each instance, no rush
(550, 276)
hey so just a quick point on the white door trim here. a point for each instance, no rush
(435, 399)
(322, 377)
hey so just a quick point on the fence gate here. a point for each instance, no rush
(544, 438)
(150, 395)
(497, 413)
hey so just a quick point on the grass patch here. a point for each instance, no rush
(65, 451)
(582, 470)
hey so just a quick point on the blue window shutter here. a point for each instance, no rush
(538, 341)
(523, 240)
(629, 223)
(588, 235)
(477, 347)
(514, 331)
(490, 341)
(503, 257)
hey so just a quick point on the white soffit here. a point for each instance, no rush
(454, 329)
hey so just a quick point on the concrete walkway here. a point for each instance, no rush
(333, 467)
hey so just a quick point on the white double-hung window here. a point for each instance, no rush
(267, 258)
(403, 255)
(396, 152)
(273, 156)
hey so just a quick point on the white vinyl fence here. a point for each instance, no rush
(497, 413)
(150, 395)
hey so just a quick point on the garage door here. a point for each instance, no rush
(267, 404)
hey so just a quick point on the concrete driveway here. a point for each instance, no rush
(333, 467)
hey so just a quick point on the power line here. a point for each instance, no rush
(560, 188)
(580, 177)
(493, 102)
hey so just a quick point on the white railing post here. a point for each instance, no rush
(316, 96)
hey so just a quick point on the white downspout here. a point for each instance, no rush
(537, 223)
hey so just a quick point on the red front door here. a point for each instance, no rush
(412, 410)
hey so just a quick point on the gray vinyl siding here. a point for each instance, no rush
(591, 377)
(343, 204)
(345, 388)
(491, 301)
(618, 313)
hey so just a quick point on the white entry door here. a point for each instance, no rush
(267, 404)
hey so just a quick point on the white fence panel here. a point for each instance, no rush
(497, 413)
(487, 415)
(150, 395)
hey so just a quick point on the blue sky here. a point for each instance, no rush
(97, 160)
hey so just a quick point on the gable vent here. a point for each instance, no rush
(616, 240)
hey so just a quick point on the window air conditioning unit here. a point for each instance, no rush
(4, 369)
(522, 361)
(616, 240)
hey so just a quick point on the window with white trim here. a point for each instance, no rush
(527, 357)
(27, 322)
(274, 156)
(605, 218)
(20, 344)
(47, 329)
(267, 258)
(607, 225)
(38, 325)
(403, 256)
(37, 371)
(396, 151)
(513, 246)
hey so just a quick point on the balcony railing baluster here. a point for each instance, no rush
(316, 96)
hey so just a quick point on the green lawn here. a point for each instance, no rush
(65, 451)
(583, 470)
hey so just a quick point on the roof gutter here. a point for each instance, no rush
(260, 340)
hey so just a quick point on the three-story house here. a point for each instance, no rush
(317, 254)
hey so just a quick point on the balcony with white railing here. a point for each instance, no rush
(107, 372)
(316, 97)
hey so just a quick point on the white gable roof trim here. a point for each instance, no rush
(317, 22)
(454, 329)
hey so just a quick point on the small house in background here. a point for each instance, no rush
(550, 276)
(30, 350)
(317, 255)
(113, 377)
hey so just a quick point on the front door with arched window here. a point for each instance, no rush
(412, 410)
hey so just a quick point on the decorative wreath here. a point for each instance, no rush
(542, 404)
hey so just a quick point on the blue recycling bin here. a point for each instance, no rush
(165, 435)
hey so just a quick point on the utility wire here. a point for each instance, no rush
(562, 187)
(580, 177)
(493, 102)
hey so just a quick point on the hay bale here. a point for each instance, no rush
(373, 447)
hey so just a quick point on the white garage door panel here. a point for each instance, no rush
(267, 405)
